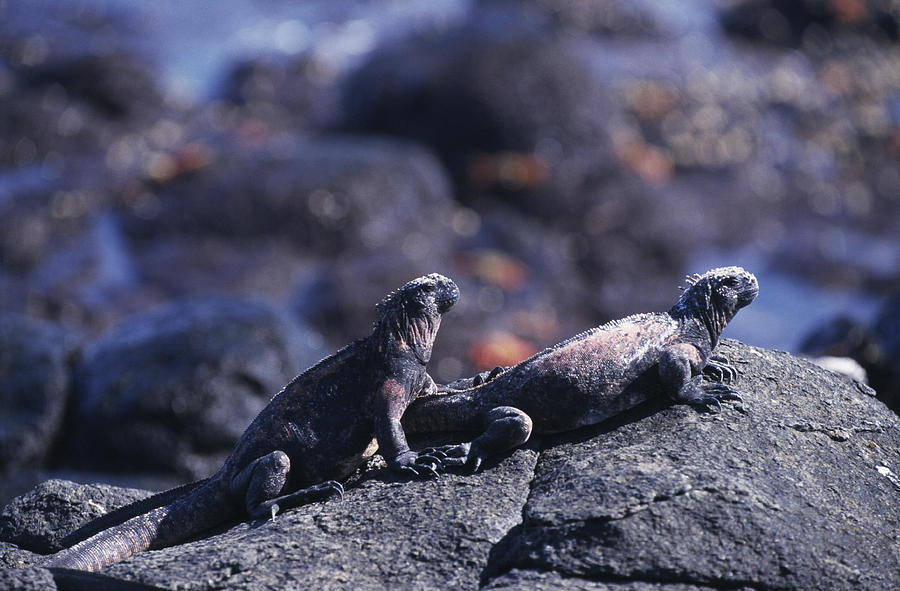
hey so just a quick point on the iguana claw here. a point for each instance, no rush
(719, 369)
(458, 454)
(713, 394)
(429, 464)
(422, 463)
(337, 487)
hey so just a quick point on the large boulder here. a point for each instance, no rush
(511, 111)
(173, 388)
(72, 81)
(796, 489)
(325, 196)
(875, 346)
(35, 360)
(38, 520)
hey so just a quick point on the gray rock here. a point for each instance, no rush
(798, 491)
(12, 556)
(173, 388)
(299, 91)
(26, 579)
(510, 110)
(550, 581)
(34, 387)
(786, 22)
(327, 196)
(38, 520)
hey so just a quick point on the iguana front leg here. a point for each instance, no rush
(680, 369)
(391, 402)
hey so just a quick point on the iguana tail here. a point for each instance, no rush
(126, 512)
(170, 524)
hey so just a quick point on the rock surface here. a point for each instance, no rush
(798, 491)
(173, 388)
(34, 388)
(327, 196)
(534, 137)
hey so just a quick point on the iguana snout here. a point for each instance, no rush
(734, 285)
(431, 292)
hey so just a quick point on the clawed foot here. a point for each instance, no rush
(323, 491)
(332, 487)
(714, 394)
(718, 368)
(317, 492)
(459, 454)
(486, 377)
(473, 382)
(418, 464)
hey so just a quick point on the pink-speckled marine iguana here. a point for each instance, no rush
(318, 429)
(594, 375)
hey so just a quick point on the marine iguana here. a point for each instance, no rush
(318, 429)
(594, 375)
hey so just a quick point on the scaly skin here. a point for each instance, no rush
(317, 430)
(595, 375)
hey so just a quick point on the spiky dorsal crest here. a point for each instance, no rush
(690, 280)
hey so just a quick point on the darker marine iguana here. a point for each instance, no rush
(594, 375)
(319, 428)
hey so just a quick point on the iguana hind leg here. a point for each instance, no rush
(507, 427)
(263, 480)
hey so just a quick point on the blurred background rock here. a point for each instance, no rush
(266, 171)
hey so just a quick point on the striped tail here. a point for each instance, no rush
(163, 526)
(126, 512)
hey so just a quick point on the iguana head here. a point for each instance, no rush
(715, 297)
(412, 314)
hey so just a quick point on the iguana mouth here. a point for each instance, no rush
(749, 294)
(446, 303)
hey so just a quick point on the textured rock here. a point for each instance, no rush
(27, 579)
(508, 109)
(34, 388)
(327, 196)
(38, 520)
(173, 388)
(875, 346)
(798, 491)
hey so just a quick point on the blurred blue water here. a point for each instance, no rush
(787, 307)
(194, 42)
